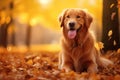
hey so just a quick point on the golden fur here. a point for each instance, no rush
(79, 53)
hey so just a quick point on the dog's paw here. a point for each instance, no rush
(92, 68)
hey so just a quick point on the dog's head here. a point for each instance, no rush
(75, 19)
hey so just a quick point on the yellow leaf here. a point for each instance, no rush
(30, 62)
(114, 43)
(112, 5)
(99, 45)
(110, 33)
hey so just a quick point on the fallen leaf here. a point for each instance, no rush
(117, 77)
(30, 62)
(113, 15)
(15, 66)
(110, 33)
(112, 5)
(118, 51)
(114, 43)
(101, 45)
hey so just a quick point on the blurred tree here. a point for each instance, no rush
(5, 21)
(11, 14)
(110, 36)
(119, 16)
(28, 36)
(3, 34)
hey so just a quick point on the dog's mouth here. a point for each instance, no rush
(73, 32)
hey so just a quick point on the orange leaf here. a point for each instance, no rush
(30, 62)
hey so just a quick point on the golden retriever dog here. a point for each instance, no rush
(78, 52)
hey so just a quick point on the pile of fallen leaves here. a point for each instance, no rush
(44, 66)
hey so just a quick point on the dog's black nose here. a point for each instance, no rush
(71, 24)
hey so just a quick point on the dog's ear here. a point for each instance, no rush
(88, 19)
(62, 17)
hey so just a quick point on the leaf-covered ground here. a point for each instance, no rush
(44, 66)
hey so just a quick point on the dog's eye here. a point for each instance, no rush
(68, 16)
(77, 16)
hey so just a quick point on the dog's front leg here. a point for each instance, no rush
(66, 63)
(92, 68)
(68, 66)
(60, 61)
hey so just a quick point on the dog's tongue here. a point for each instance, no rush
(71, 34)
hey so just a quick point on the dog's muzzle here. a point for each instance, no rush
(72, 25)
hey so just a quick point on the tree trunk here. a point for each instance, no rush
(3, 35)
(12, 23)
(4, 26)
(28, 36)
(119, 17)
(110, 36)
(12, 40)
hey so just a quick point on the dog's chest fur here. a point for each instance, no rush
(80, 47)
(78, 52)
(72, 47)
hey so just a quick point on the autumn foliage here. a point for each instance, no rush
(44, 66)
